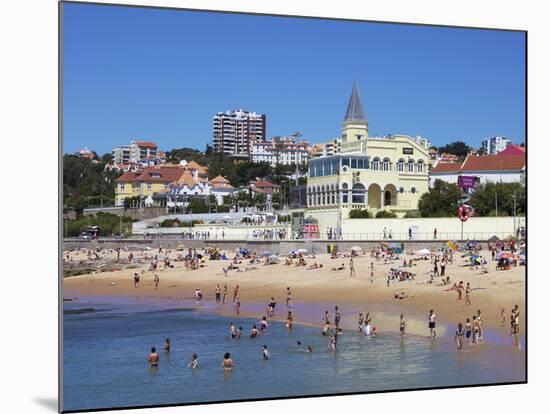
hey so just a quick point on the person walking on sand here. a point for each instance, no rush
(459, 290)
(156, 279)
(475, 330)
(480, 320)
(288, 298)
(431, 323)
(194, 363)
(136, 279)
(351, 268)
(467, 294)
(402, 325)
(153, 358)
(227, 362)
(435, 233)
(224, 295)
(459, 334)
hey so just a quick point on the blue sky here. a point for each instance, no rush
(160, 75)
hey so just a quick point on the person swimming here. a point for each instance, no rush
(253, 332)
(167, 345)
(309, 349)
(265, 353)
(153, 358)
(194, 363)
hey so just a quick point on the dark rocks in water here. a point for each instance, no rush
(78, 311)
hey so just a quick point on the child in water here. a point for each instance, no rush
(265, 353)
(167, 345)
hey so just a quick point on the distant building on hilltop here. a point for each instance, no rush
(283, 150)
(494, 145)
(136, 152)
(234, 131)
(85, 153)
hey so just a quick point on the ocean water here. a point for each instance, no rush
(105, 358)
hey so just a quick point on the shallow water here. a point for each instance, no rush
(105, 358)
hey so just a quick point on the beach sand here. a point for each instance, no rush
(316, 290)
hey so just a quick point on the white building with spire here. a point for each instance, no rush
(373, 173)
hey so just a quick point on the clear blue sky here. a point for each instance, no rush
(160, 75)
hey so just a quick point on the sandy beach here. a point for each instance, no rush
(318, 289)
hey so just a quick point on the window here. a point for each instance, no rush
(358, 194)
(149, 186)
(386, 164)
(345, 193)
(401, 165)
(354, 163)
(375, 165)
(401, 190)
(121, 186)
(361, 163)
(420, 166)
(413, 190)
(410, 166)
(345, 161)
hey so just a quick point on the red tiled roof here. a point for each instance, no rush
(193, 165)
(146, 144)
(186, 179)
(153, 174)
(264, 184)
(482, 163)
(512, 150)
(445, 167)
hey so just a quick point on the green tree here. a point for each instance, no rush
(490, 197)
(458, 148)
(440, 201)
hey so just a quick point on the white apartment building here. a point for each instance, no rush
(234, 130)
(136, 152)
(332, 147)
(283, 150)
(494, 145)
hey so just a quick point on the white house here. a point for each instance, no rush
(487, 168)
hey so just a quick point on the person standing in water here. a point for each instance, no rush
(153, 358)
(238, 305)
(289, 320)
(167, 345)
(227, 362)
(431, 323)
(337, 318)
(194, 363)
(232, 330)
(468, 330)
(360, 322)
(459, 334)
(402, 325)
(265, 353)
(218, 294)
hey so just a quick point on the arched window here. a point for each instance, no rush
(413, 190)
(318, 192)
(420, 166)
(410, 166)
(375, 165)
(323, 195)
(309, 198)
(386, 164)
(345, 193)
(332, 195)
(358, 194)
(401, 165)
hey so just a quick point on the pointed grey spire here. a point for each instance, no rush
(355, 112)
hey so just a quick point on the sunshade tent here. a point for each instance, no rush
(423, 252)
(356, 249)
(302, 251)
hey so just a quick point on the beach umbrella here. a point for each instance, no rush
(302, 251)
(493, 239)
(423, 252)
